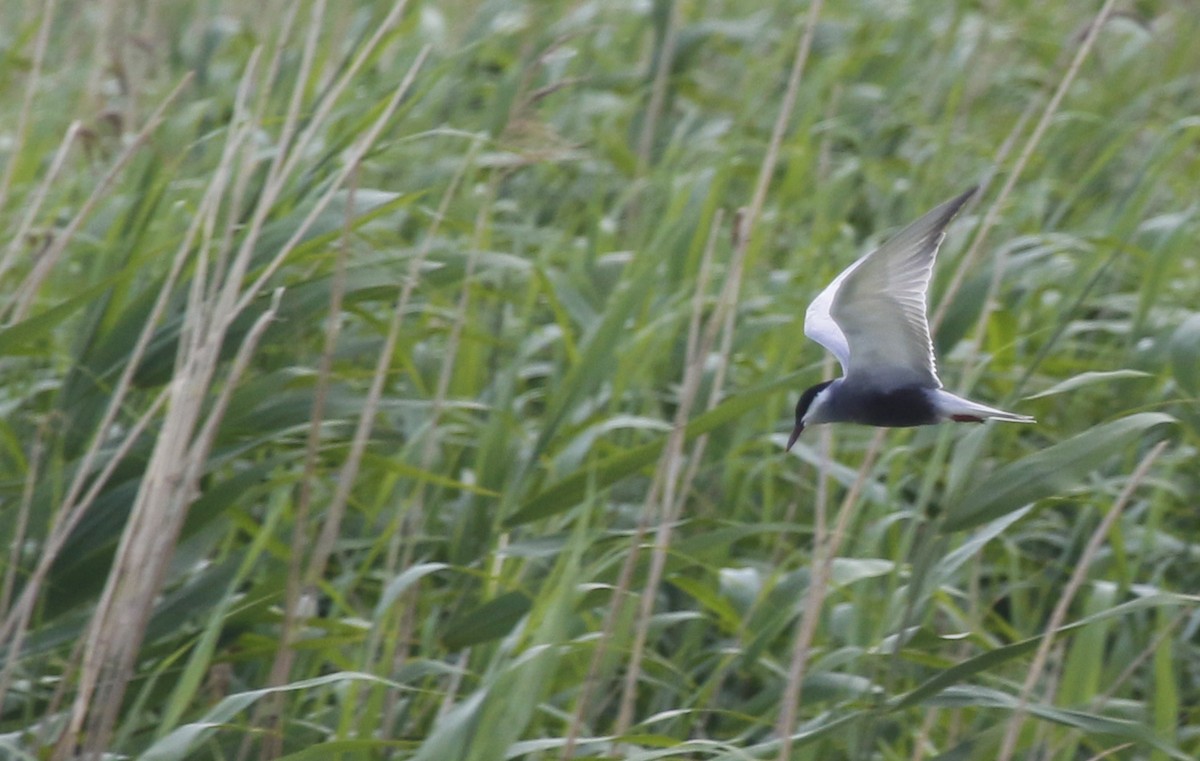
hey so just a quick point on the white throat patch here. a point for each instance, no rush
(817, 411)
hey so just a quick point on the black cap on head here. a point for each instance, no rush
(806, 400)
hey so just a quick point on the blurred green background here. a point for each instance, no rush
(499, 471)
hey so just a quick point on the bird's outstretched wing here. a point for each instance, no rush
(873, 315)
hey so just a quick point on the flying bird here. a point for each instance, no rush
(872, 318)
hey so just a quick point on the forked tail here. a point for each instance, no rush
(951, 407)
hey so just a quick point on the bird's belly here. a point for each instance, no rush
(896, 408)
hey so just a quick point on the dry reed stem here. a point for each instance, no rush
(669, 470)
(281, 666)
(617, 607)
(966, 260)
(993, 213)
(718, 384)
(1001, 261)
(289, 161)
(268, 711)
(412, 278)
(767, 168)
(31, 87)
(33, 206)
(45, 263)
(330, 528)
(409, 524)
(1136, 662)
(73, 508)
(22, 614)
(825, 549)
(282, 663)
(1059, 615)
(744, 229)
(296, 154)
(625, 578)
(282, 34)
(658, 90)
(146, 547)
(151, 530)
(1108, 752)
(695, 458)
(128, 597)
(328, 536)
(308, 54)
(198, 454)
(726, 309)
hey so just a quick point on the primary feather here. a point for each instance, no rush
(872, 317)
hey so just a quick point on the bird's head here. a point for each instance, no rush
(810, 402)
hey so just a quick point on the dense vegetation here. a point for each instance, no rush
(410, 381)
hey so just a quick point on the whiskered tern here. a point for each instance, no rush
(872, 318)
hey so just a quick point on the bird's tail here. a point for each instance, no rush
(951, 407)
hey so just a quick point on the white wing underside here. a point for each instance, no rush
(872, 317)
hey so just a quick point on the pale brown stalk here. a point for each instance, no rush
(46, 261)
(72, 508)
(32, 84)
(115, 630)
(308, 54)
(825, 550)
(966, 261)
(726, 296)
(271, 707)
(366, 420)
(406, 526)
(616, 610)
(282, 664)
(658, 89)
(1136, 662)
(1110, 751)
(991, 217)
(625, 577)
(668, 471)
(285, 168)
(22, 238)
(331, 526)
(143, 555)
(22, 615)
(766, 169)
(1059, 615)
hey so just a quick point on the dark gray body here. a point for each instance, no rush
(896, 407)
(873, 318)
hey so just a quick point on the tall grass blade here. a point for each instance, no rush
(1056, 470)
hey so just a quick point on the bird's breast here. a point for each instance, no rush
(898, 407)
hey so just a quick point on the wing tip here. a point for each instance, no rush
(953, 206)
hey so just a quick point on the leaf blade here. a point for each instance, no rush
(1048, 472)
